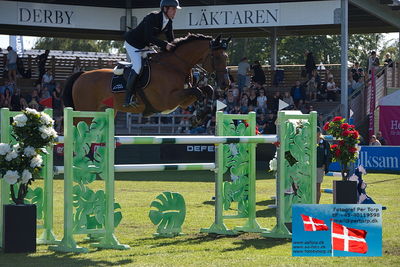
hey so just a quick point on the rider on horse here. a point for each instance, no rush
(145, 34)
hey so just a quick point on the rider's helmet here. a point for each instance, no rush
(173, 3)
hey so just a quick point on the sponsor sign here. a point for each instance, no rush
(343, 230)
(376, 158)
(189, 17)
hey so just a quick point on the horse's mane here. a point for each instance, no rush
(190, 38)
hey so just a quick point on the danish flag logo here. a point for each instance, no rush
(313, 224)
(348, 239)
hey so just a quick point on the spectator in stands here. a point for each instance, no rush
(16, 100)
(261, 123)
(12, 65)
(33, 99)
(77, 66)
(23, 103)
(321, 121)
(261, 101)
(244, 104)
(310, 109)
(236, 110)
(6, 99)
(302, 106)
(230, 101)
(253, 98)
(259, 75)
(211, 125)
(297, 92)
(45, 94)
(273, 104)
(270, 127)
(312, 88)
(243, 69)
(352, 84)
(47, 79)
(41, 59)
(7, 85)
(310, 64)
(184, 124)
(235, 92)
(57, 101)
(357, 72)
(373, 62)
(374, 142)
(289, 100)
(388, 61)
(331, 90)
(380, 138)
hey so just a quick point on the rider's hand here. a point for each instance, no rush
(170, 46)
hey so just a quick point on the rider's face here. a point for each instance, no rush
(170, 12)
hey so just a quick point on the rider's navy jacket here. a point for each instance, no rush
(148, 30)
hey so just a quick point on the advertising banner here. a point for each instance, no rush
(389, 124)
(376, 158)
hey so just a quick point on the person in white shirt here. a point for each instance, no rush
(47, 78)
(261, 101)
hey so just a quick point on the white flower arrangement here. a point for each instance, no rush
(11, 155)
(20, 120)
(273, 163)
(4, 149)
(26, 176)
(32, 111)
(11, 177)
(29, 151)
(36, 161)
(21, 163)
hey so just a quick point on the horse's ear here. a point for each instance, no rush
(229, 39)
(218, 39)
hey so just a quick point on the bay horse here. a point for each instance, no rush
(86, 91)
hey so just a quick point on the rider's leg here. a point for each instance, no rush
(136, 60)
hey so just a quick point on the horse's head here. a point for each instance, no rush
(216, 61)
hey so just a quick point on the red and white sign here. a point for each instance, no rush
(313, 224)
(348, 239)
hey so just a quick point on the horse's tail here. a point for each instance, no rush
(67, 92)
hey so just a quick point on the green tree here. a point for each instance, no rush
(291, 49)
(67, 44)
(392, 48)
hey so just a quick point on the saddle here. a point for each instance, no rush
(121, 73)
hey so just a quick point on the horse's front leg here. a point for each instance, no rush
(189, 96)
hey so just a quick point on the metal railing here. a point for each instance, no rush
(158, 123)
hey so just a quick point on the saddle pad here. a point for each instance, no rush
(118, 82)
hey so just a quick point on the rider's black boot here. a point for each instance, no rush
(130, 99)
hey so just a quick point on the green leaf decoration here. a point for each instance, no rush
(236, 191)
(236, 161)
(169, 213)
(36, 197)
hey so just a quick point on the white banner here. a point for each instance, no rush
(62, 16)
(189, 17)
(256, 15)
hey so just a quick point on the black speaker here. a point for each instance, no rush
(19, 228)
(345, 192)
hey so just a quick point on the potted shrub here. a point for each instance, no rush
(345, 152)
(20, 165)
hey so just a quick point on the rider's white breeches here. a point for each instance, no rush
(135, 57)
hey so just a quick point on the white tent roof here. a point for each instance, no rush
(391, 100)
